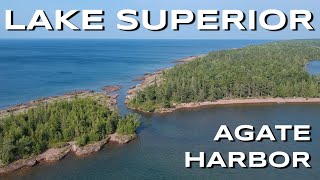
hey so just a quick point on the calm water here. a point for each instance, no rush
(313, 67)
(32, 69)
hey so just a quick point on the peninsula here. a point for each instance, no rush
(269, 73)
(48, 129)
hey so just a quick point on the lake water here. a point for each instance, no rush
(30, 69)
(313, 67)
(33, 69)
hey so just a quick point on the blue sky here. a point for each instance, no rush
(24, 10)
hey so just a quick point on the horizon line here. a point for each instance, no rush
(75, 38)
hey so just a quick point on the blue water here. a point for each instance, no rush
(313, 67)
(33, 69)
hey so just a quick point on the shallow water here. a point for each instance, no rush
(54, 67)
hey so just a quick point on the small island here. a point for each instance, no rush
(48, 129)
(269, 73)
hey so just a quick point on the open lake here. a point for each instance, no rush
(30, 69)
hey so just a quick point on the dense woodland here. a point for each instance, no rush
(83, 120)
(275, 69)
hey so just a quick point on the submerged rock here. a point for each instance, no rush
(139, 79)
(110, 89)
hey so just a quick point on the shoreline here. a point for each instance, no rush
(188, 59)
(107, 97)
(222, 102)
(57, 154)
(150, 78)
(108, 94)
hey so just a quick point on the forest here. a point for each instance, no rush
(52, 125)
(275, 69)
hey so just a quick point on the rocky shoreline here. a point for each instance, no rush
(188, 59)
(237, 102)
(147, 80)
(56, 154)
(104, 98)
(150, 78)
(111, 89)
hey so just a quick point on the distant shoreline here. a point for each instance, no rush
(237, 102)
(107, 91)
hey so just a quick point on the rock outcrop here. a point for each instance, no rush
(110, 89)
(122, 139)
(90, 148)
(155, 78)
(102, 97)
(50, 155)
(190, 58)
(54, 154)
(18, 165)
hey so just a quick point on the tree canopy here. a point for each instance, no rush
(275, 69)
(83, 120)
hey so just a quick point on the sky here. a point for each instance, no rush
(24, 9)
